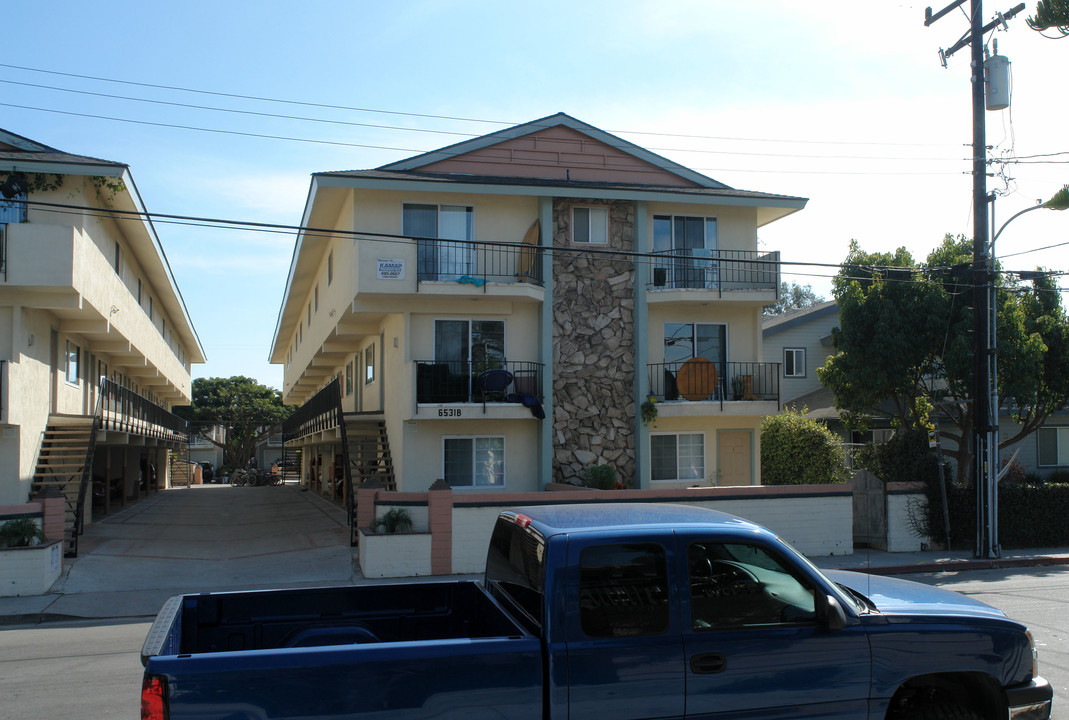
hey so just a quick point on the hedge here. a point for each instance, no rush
(1029, 516)
(796, 450)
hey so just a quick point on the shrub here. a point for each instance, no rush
(906, 457)
(796, 450)
(395, 520)
(22, 532)
(600, 477)
(1029, 516)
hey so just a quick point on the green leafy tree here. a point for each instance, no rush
(792, 296)
(245, 409)
(1051, 14)
(905, 345)
(796, 450)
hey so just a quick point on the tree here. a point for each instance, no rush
(792, 297)
(245, 410)
(796, 450)
(1051, 14)
(905, 345)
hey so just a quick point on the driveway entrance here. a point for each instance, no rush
(212, 537)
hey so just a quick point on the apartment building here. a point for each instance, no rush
(496, 313)
(96, 343)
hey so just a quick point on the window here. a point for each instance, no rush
(590, 225)
(74, 354)
(474, 461)
(13, 209)
(139, 291)
(309, 314)
(316, 301)
(150, 311)
(478, 343)
(118, 259)
(330, 268)
(623, 590)
(369, 364)
(1053, 446)
(793, 362)
(688, 247)
(678, 457)
(735, 585)
(348, 379)
(683, 341)
(438, 259)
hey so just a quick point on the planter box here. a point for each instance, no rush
(405, 554)
(30, 570)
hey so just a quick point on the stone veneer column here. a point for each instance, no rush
(593, 348)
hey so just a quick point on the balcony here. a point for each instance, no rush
(449, 382)
(701, 382)
(477, 263)
(721, 271)
(124, 411)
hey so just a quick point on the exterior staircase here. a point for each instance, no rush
(65, 463)
(369, 451)
(182, 467)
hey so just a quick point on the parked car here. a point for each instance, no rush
(620, 611)
(207, 472)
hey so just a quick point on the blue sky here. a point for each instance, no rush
(840, 102)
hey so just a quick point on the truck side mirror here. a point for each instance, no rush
(834, 616)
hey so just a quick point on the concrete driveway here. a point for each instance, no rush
(204, 538)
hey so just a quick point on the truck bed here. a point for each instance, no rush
(409, 651)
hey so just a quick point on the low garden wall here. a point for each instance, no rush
(32, 570)
(451, 530)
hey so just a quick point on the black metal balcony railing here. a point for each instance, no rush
(123, 410)
(479, 262)
(732, 381)
(465, 382)
(321, 413)
(722, 270)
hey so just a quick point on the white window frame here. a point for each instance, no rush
(1061, 446)
(595, 235)
(794, 351)
(475, 461)
(72, 369)
(369, 364)
(677, 435)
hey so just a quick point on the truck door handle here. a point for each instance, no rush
(708, 663)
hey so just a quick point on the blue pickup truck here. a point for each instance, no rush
(621, 611)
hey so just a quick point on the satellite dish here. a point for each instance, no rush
(14, 185)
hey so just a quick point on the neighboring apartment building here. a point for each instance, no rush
(92, 328)
(498, 311)
(801, 341)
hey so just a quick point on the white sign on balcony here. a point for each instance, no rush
(391, 269)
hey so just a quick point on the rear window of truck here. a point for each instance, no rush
(515, 563)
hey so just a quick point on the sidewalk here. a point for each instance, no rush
(217, 537)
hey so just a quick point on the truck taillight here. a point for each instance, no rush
(153, 698)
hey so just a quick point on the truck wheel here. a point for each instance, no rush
(941, 711)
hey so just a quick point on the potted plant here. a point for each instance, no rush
(22, 532)
(737, 387)
(393, 521)
(600, 477)
(648, 410)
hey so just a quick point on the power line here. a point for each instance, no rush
(440, 117)
(915, 273)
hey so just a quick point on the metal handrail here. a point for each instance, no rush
(735, 381)
(456, 381)
(322, 412)
(123, 410)
(478, 262)
(730, 270)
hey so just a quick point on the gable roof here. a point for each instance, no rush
(786, 321)
(554, 130)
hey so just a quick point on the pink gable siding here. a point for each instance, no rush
(558, 153)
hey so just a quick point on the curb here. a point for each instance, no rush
(962, 565)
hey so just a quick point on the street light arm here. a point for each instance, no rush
(1058, 201)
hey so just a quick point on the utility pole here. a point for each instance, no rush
(985, 403)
